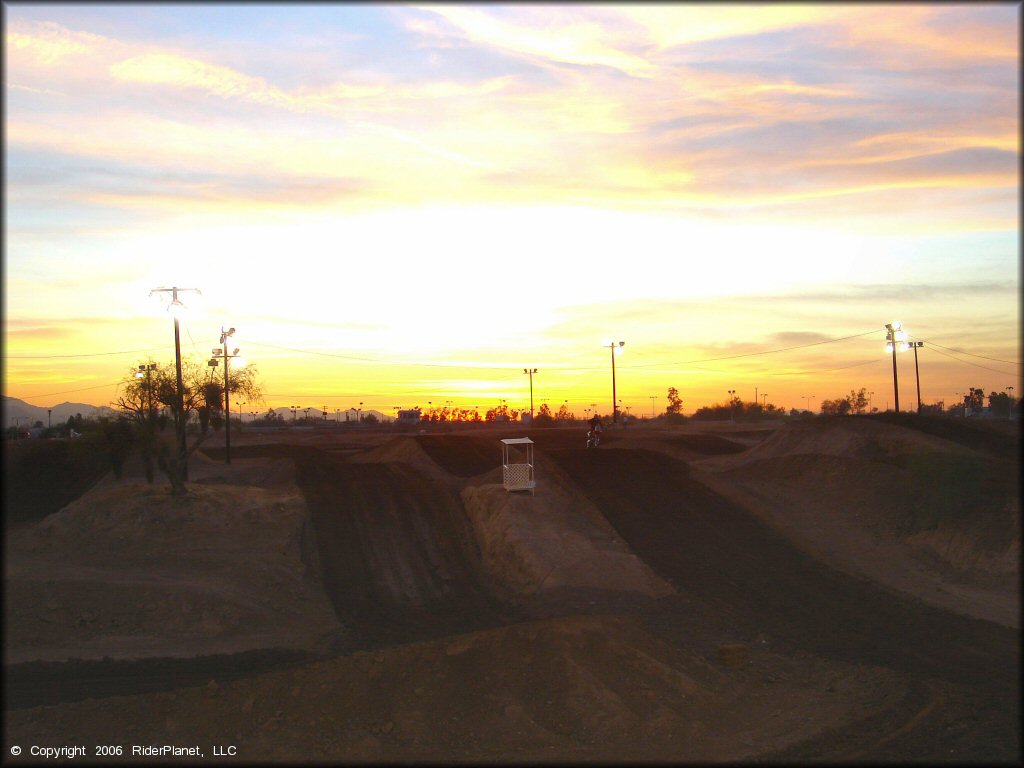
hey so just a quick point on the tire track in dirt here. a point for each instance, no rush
(395, 553)
(737, 572)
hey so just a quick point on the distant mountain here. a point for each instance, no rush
(15, 410)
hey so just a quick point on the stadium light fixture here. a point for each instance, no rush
(222, 353)
(892, 341)
(615, 403)
(176, 309)
(530, 371)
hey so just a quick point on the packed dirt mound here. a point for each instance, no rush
(575, 688)
(128, 570)
(542, 545)
(208, 467)
(915, 511)
(708, 445)
(462, 455)
(399, 450)
(546, 543)
(41, 476)
(839, 436)
(993, 436)
(736, 570)
(397, 554)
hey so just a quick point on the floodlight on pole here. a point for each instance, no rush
(615, 403)
(530, 371)
(732, 405)
(176, 309)
(144, 373)
(894, 332)
(917, 373)
(222, 353)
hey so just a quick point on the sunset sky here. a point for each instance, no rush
(396, 204)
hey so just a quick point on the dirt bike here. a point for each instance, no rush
(593, 438)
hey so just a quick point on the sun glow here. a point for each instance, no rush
(432, 198)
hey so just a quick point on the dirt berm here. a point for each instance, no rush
(549, 546)
(918, 513)
(129, 571)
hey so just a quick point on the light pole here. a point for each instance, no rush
(917, 373)
(144, 372)
(223, 353)
(870, 395)
(1009, 414)
(530, 371)
(808, 399)
(732, 405)
(764, 399)
(615, 402)
(295, 409)
(653, 398)
(895, 337)
(176, 308)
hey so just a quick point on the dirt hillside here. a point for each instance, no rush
(128, 571)
(643, 605)
(559, 689)
(916, 512)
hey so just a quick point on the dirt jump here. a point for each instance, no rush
(675, 595)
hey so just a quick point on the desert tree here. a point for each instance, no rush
(858, 400)
(675, 403)
(544, 417)
(838, 407)
(564, 414)
(974, 400)
(138, 407)
(201, 392)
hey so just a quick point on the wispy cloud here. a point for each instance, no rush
(749, 169)
(49, 43)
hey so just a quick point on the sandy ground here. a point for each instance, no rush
(685, 595)
(843, 493)
(128, 571)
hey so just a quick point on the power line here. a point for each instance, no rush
(827, 370)
(753, 354)
(960, 352)
(968, 362)
(89, 354)
(483, 366)
(83, 389)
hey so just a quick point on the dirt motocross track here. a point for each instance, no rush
(756, 651)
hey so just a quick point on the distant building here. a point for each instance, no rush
(410, 416)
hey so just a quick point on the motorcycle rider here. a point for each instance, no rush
(595, 429)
